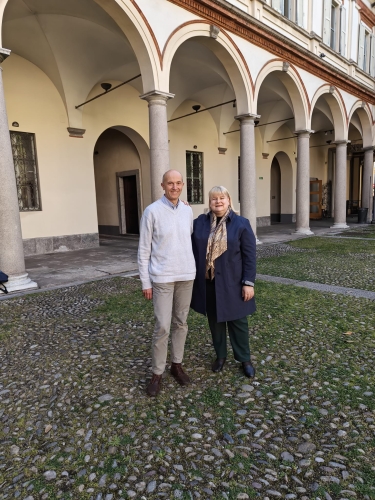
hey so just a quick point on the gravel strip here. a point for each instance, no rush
(318, 286)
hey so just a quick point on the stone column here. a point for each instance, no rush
(368, 181)
(248, 169)
(159, 147)
(12, 261)
(340, 185)
(303, 182)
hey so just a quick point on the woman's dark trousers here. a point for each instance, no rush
(238, 330)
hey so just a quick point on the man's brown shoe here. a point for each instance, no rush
(178, 373)
(154, 386)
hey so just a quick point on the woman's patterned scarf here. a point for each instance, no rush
(217, 242)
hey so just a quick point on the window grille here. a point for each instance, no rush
(26, 170)
(194, 177)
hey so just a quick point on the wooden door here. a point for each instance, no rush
(315, 199)
(131, 204)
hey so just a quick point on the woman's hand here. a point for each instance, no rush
(185, 203)
(247, 292)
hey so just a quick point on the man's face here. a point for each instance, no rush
(172, 186)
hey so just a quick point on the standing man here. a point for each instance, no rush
(167, 271)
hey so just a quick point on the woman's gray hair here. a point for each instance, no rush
(219, 190)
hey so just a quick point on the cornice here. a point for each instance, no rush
(247, 27)
(367, 16)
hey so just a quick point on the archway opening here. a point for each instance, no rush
(360, 179)
(120, 158)
(275, 201)
(327, 122)
(200, 80)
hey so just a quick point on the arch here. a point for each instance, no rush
(224, 49)
(336, 104)
(134, 25)
(293, 82)
(364, 115)
(138, 168)
(287, 187)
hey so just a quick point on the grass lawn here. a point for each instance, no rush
(332, 261)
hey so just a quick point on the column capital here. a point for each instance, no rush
(369, 148)
(341, 143)
(306, 132)
(247, 116)
(156, 95)
(4, 53)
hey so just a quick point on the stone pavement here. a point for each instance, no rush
(118, 256)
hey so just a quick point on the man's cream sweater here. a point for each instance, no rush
(165, 253)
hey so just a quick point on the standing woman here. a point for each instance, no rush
(225, 254)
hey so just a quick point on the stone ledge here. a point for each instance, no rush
(38, 246)
(264, 221)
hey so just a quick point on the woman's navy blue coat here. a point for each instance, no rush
(234, 266)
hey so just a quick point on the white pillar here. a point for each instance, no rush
(12, 260)
(159, 147)
(303, 182)
(248, 169)
(368, 181)
(340, 185)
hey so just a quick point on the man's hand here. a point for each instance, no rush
(247, 292)
(147, 294)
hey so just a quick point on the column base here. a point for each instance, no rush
(258, 242)
(20, 283)
(304, 230)
(339, 225)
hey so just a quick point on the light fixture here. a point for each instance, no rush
(328, 142)
(322, 54)
(15, 124)
(196, 107)
(106, 86)
(234, 103)
(256, 122)
(326, 132)
(195, 147)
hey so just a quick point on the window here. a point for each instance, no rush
(333, 27)
(194, 177)
(295, 10)
(284, 7)
(343, 29)
(366, 50)
(26, 170)
(334, 18)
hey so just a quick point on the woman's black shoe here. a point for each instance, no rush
(248, 369)
(217, 366)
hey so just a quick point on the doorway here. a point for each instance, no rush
(275, 200)
(129, 201)
(118, 180)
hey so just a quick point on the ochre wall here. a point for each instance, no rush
(65, 164)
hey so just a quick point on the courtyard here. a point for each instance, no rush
(76, 422)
